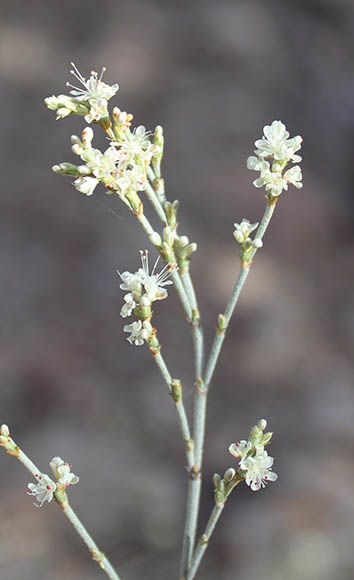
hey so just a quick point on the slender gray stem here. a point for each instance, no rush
(96, 553)
(241, 279)
(181, 412)
(203, 541)
(155, 202)
(198, 338)
(199, 417)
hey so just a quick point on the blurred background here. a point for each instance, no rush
(213, 74)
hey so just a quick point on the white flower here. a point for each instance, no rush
(93, 88)
(133, 178)
(153, 283)
(273, 180)
(139, 332)
(294, 176)
(131, 282)
(43, 490)
(277, 145)
(128, 307)
(102, 165)
(86, 184)
(240, 449)
(94, 91)
(62, 472)
(258, 469)
(136, 144)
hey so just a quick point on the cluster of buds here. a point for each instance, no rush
(279, 150)
(247, 245)
(143, 288)
(172, 246)
(255, 465)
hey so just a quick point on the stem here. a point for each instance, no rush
(199, 419)
(181, 412)
(241, 279)
(198, 339)
(13, 449)
(155, 202)
(96, 553)
(203, 541)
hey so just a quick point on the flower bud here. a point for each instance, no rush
(216, 479)
(229, 474)
(145, 302)
(183, 240)
(87, 136)
(155, 239)
(262, 424)
(4, 430)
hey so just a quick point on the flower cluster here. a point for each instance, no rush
(143, 288)
(280, 150)
(255, 465)
(45, 487)
(90, 100)
(122, 167)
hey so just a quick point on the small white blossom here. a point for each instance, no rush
(43, 490)
(294, 176)
(277, 145)
(131, 282)
(94, 91)
(62, 472)
(86, 184)
(132, 178)
(128, 307)
(139, 332)
(102, 165)
(153, 283)
(258, 470)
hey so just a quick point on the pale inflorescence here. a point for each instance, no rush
(45, 487)
(144, 288)
(279, 150)
(255, 465)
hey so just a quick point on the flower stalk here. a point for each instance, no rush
(57, 490)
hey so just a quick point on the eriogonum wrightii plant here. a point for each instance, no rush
(130, 167)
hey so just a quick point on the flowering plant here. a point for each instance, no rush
(130, 167)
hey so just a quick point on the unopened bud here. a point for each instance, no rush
(183, 240)
(145, 302)
(4, 430)
(87, 136)
(257, 243)
(262, 424)
(229, 474)
(216, 479)
(155, 239)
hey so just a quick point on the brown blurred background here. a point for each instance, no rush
(213, 74)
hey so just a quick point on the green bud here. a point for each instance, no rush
(216, 479)
(229, 474)
(176, 390)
